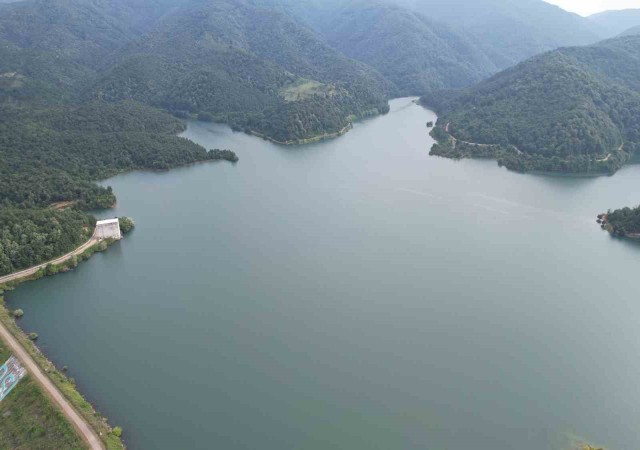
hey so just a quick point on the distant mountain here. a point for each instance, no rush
(571, 110)
(51, 49)
(613, 23)
(510, 30)
(414, 52)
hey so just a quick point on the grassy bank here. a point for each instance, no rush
(36, 422)
(29, 419)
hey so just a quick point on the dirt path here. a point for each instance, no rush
(82, 427)
(31, 270)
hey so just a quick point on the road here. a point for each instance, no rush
(31, 270)
(81, 426)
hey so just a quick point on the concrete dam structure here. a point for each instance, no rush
(108, 229)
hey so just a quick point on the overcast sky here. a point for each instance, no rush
(587, 7)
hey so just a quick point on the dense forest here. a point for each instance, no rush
(30, 236)
(624, 222)
(414, 52)
(252, 67)
(512, 31)
(574, 110)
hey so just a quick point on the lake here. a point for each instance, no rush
(354, 294)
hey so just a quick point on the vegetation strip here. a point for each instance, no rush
(85, 430)
(32, 270)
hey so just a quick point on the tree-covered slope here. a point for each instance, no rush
(571, 110)
(54, 154)
(84, 31)
(623, 222)
(511, 30)
(253, 67)
(414, 52)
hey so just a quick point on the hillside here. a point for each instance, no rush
(631, 31)
(510, 31)
(249, 66)
(416, 53)
(616, 22)
(570, 110)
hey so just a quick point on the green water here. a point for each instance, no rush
(354, 294)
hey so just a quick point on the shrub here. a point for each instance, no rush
(126, 224)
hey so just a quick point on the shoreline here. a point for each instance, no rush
(310, 140)
(23, 274)
(496, 157)
(89, 424)
(603, 221)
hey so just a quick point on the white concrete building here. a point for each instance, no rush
(108, 229)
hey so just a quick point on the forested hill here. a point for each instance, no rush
(571, 110)
(624, 222)
(511, 30)
(249, 66)
(54, 154)
(411, 50)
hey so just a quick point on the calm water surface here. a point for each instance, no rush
(354, 294)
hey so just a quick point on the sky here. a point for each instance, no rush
(587, 7)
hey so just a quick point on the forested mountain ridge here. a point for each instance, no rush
(411, 50)
(571, 110)
(255, 68)
(511, 30)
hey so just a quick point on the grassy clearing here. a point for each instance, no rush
(303, 89)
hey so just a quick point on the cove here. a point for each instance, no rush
(354, 293)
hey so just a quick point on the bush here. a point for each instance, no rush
(33, 336)
(126, 224)
(18, 313)
(117, 431)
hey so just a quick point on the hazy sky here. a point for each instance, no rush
(587, 7)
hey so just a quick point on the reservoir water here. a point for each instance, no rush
(354, 294)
